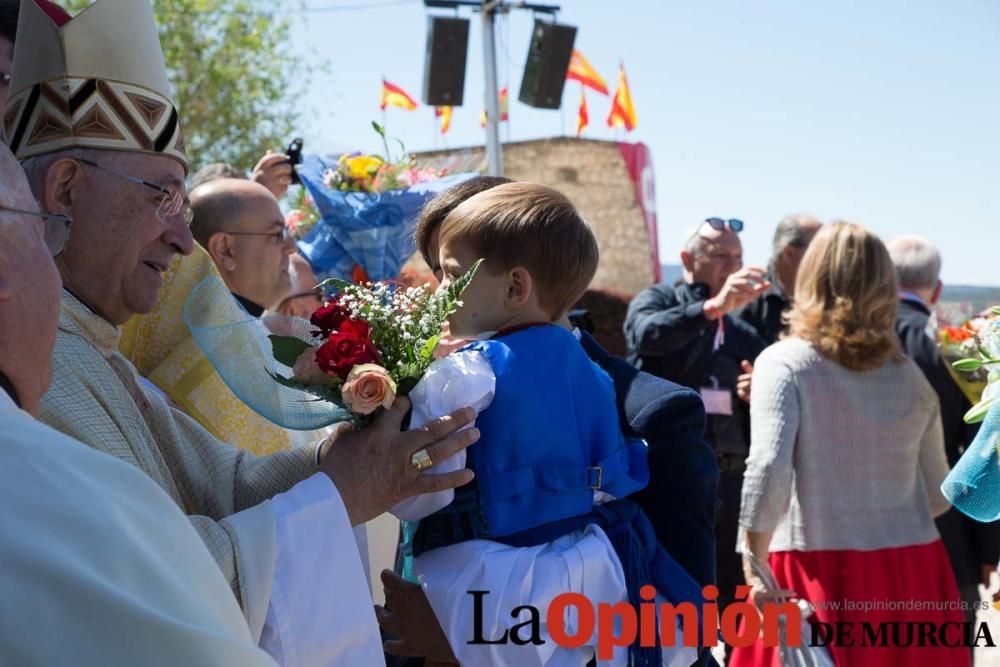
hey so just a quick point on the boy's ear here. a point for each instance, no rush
(520, 288)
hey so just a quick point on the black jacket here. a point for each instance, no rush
(669, 336)
(763, 314)
(680, 497)
(969, 542)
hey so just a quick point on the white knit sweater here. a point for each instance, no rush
(842, 459)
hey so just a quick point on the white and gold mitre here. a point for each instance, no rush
(99, 81)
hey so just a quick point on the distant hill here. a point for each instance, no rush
(979, 298)
(671, 273)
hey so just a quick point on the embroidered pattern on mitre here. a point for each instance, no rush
(80, 100)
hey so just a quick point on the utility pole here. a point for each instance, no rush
(490, 9)
(494, 151)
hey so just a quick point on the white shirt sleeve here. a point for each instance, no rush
(320, 611)
(581, 562)
(462, 379)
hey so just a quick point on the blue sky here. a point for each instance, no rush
(884, 113)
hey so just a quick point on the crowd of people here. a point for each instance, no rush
(795, 419)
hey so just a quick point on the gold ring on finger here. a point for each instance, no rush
(421, 460)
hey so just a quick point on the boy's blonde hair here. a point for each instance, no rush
(529, 225)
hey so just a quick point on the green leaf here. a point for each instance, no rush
(329, 394)
(379, 128)
(995, 310)
(287, 349)
(967, 365)
(978, 411)
(336, 283)
(426, 352)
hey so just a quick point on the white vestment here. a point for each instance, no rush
(98, 566)
(278, 529)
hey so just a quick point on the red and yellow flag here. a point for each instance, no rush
(582, 117)
(444, 113)
(503, 108)
(580, 70)
(622, 110)
(394, 96)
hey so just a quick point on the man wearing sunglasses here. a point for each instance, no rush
(240, 225)
(686, 333)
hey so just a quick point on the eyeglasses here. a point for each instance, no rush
(56, 234)
(315, 293)
(173, 204)
(718, 224)
(286, 235)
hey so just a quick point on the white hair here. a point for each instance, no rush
(917, 262)
(694, 242)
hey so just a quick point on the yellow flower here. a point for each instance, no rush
(363, 166)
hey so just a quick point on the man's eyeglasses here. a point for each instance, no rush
(286, 235)
(173, 204)
(719, 225)
(56, 227)
(315, 293)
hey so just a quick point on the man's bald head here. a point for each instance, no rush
(240, 224)
(221, 204)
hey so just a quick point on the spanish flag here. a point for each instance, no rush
(444, 113)
(622, 110)
(580, 70)
(582, 117)
(394, 96)
(503, 108)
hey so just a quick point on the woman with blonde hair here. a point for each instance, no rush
(846, 460)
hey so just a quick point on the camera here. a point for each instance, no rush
(294, 153)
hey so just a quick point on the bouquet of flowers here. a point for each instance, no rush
(367, 206)
(358, 172)
(972, 355)
(371, 343)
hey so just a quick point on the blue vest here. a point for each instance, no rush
(549, 439)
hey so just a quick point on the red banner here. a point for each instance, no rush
(639, 162)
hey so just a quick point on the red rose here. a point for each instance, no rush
(356, 328)
(329, 317)
(344, 350)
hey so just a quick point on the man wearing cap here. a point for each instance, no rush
(90, 117)
(686, 333)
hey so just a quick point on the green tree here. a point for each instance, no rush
(235, 77)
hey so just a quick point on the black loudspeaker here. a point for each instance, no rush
(444, 67)
(545, 70)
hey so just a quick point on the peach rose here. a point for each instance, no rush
(367, 387)
(307, 371)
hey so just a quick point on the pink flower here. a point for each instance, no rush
(294, 218)
(367, 387)
(308, 372)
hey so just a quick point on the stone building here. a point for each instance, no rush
(594, 175)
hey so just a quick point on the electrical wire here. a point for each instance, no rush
(356, 7)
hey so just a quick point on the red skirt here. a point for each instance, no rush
(920, 573)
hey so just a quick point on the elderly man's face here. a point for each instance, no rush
(119, 247)
(791, 256)
(29, 287)
(260, 256)
(721, 255)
